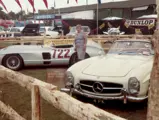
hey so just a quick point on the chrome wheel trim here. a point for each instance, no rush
(13, 62)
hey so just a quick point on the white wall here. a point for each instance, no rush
(79, 15)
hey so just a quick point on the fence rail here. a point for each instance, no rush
(9, 112)
(59, 100)
(101, 39)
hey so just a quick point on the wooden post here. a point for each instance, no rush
(153, 100)
(35, 101)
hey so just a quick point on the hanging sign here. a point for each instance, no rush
(145, 22)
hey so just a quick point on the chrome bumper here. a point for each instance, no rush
(123, 97)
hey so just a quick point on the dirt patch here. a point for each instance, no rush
(20, 100)
(56, 76)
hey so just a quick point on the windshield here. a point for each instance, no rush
(131, 48)
(85, 29)
(14, 30)
(73, 29)
(42, 29)
(50, 29)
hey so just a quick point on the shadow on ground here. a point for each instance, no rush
(20, 100)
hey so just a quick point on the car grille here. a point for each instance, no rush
(104, 87)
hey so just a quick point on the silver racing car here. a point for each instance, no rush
(17, 56)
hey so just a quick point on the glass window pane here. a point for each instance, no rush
(117, 12)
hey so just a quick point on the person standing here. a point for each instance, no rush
(80, 43)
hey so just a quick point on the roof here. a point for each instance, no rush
(148, 16)
(117, 4)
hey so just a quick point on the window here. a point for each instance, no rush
(117, 12)
(127, 13)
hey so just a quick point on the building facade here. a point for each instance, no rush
(130, 9)
(127, 13)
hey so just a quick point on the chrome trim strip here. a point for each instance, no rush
(86, 85)
(130, 98)
(106, 88)
(99, 94)
(110, 88)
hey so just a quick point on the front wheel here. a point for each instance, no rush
(74, 58)
(13, 62)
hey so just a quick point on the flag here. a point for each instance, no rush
(1, 2)
(32, 4)
(18, 2)
(99, 1)
(46, 3)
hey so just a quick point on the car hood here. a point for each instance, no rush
(115, 65)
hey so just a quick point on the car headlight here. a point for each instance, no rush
(133, 85)
(69, 79)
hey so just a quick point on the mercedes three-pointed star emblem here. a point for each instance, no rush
(98, 87)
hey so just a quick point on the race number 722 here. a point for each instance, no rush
(61, 53)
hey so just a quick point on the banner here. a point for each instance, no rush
(18, 2)
(32, 4)
(145, 22)
(1, 2)
(46, 3)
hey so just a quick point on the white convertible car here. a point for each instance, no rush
(122, 74)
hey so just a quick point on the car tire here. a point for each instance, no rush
(74, 58)
(13, 62)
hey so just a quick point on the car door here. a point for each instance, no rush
(61, 56)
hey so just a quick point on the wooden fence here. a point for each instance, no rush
(101, 39)
(49, 92)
